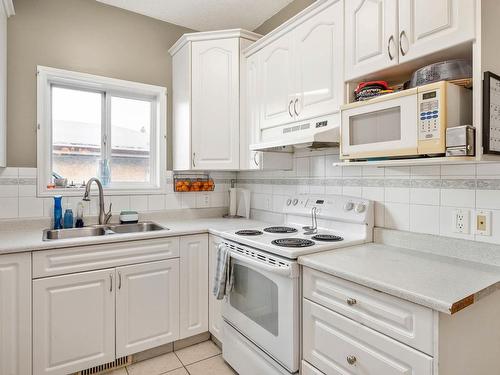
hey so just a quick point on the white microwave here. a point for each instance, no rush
(408, 123)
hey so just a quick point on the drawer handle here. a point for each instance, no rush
(351, 359)
(351, 301)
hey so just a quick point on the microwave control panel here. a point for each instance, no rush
(429, 115)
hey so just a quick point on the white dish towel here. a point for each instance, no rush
(223, 283)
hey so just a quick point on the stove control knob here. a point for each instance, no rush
(288, 202)
(360, 208)
(348, 206)
(295, 201)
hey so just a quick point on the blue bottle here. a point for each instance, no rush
(68, 218)
(57, 211)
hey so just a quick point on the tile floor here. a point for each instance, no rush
(201, 359)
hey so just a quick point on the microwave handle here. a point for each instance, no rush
(276, 270)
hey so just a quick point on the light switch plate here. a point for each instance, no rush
(482, 223)
(461, 221)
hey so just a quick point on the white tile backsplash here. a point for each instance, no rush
(424, 219)
(9, 207)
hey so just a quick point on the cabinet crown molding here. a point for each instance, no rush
(7, 7)
(209, 35)
(289, 25)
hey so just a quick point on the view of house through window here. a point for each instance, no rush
(91, 126)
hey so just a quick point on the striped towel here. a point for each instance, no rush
(223, 279)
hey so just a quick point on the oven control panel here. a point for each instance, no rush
(331, 206)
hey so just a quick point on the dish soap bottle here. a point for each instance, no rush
(57, 211)
(79, 215)
(68, 218)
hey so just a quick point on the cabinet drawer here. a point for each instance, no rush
(337, 345)
(404, 321)
(86, 258)
(307, 369)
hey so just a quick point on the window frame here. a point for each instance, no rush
(48, 77)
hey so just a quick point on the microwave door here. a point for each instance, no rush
(381, 129)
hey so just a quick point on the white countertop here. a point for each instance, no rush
(442, 283)
(13, 241)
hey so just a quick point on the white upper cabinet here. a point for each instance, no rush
(427, 26)
(215, 99)
(140, 328)
(383, 33)
(277, 83)
(15, 314)
(206, 99)
(371, 36)
(301, 65)
(319, 63)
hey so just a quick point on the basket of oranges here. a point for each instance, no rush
(184, 184)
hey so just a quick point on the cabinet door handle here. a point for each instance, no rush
(194, 156)
(295, 106)
(351, 359)
(391, 40)
(110, 282)
(289, 110)
(119, 280)
(351, 301)
(403, 33)
(255, 159)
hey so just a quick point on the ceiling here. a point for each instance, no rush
(205, 15)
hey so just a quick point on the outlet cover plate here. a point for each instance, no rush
(461, 221)
(482, 223)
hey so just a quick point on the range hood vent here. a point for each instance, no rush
(314, 134)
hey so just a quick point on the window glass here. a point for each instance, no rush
(76, 133)
(130, 140)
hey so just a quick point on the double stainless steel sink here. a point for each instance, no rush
(101, 230)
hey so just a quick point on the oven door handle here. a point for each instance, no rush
(289, 272)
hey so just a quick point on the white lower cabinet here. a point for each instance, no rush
(337, 345)
(215, 325)
(193, 285)
(147, 306)
(73, 322)
(15, 314)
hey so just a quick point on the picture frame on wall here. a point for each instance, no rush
(491, 113)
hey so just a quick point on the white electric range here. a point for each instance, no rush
(262, 312)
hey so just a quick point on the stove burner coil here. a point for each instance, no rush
(327, 238)
(293, 242)
(280, 230)
(249, 232)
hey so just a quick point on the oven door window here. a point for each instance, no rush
(375, 127)
(255, 296)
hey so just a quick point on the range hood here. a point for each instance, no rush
(313, 134)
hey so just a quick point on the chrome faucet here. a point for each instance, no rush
(104, 217)
(313, 228)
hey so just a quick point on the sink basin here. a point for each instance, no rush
(100, 230)
(59, 234)
(146, 226)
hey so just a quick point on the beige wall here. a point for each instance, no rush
(283, 15)
(80, 35)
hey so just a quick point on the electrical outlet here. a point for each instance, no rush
(461, 221)
(482, 226)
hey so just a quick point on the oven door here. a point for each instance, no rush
(383, 127)
(264, 305)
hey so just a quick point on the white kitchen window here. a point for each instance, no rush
(92, 126)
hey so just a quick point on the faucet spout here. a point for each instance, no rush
(104, 217)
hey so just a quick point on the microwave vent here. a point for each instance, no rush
(296, 128)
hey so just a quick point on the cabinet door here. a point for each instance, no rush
(147, 306)
(3, 89)
(428, 26)
(215, 104)
(318, 57)
(193, 285)
(277, 83)
(371, 36)
(250, 126)
(214, 305)
(15, 314)
(74, 322)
